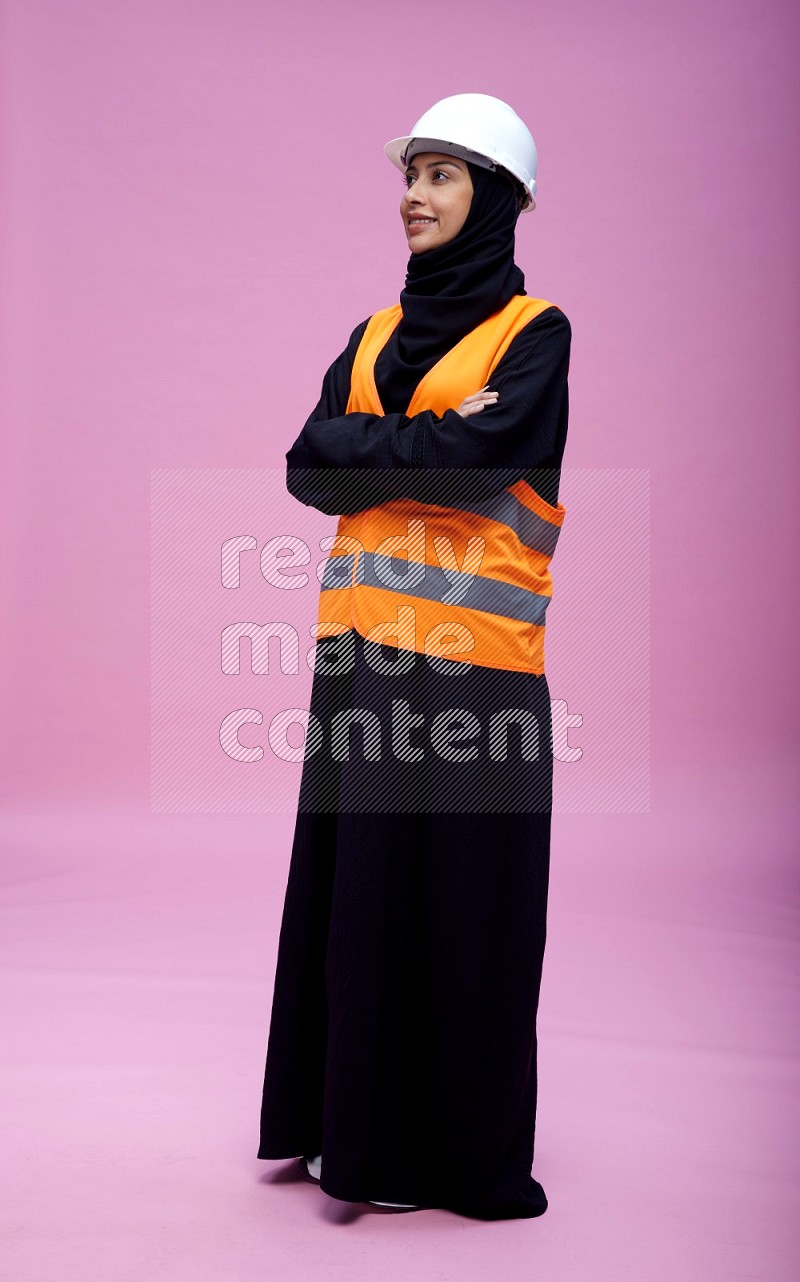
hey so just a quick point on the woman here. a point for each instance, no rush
(402, 1047)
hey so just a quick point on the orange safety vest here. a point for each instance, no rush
(474, 583)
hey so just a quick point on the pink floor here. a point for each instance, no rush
(139, 953)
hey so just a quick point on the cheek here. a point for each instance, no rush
(461, 210)
(456, 211)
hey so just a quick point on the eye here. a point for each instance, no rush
(443, 173)
(408, 180)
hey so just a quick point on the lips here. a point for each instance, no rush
(419, 221)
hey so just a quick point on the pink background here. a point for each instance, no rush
(196, 213)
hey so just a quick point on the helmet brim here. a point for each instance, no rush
(394, 150)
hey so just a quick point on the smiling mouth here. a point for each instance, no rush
(420, 222)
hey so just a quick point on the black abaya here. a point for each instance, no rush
(402, 1043)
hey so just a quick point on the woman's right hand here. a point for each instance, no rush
(475, 403)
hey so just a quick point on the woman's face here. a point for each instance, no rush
(436, 201)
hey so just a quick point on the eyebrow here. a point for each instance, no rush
(435, 164)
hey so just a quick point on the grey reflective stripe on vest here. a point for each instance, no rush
(489, 595)
(530, 528)
(338, 571)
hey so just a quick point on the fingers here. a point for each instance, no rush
(489, 398)
(475, 408)
(477, 401)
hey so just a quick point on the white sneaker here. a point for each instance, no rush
(400, 1206)
(314, 1168)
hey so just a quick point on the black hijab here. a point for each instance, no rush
(452, 288)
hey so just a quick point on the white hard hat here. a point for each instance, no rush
(477, 127)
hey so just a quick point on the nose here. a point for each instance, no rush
(412, 197)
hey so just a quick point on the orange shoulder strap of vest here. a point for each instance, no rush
(495, 333)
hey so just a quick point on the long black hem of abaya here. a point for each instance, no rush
(403, 1029)
(503, 1204)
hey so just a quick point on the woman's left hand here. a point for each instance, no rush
(475, 403)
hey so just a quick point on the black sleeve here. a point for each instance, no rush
(346, 462)
(316, 486)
